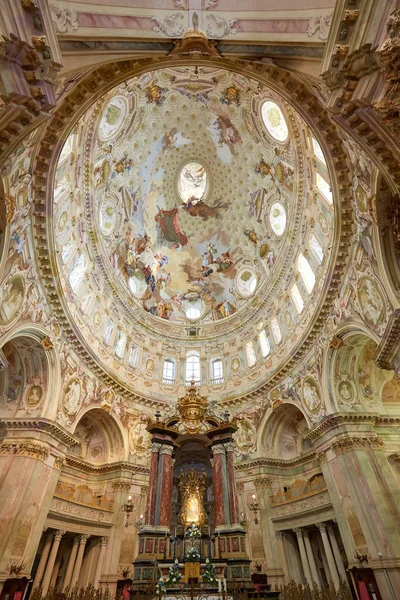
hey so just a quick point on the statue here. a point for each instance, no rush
(192, 486)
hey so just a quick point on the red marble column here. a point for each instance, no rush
(152, 492)
(167, 483)
(219, 513)
(233, 496)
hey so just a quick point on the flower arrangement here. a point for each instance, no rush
(210, 574)
(192, 555)
(193, 531)
(160, 587)
(174, 575)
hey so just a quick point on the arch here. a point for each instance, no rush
(4, 228)
(103, 438)
(282, 432)
(36, 339)
(354, 383)
(387, 210)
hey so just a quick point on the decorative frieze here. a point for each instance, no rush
(77, 513)
(311, 503)
(262, 482)
(27, 449)
(121, 486)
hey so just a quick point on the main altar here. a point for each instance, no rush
(191, 531)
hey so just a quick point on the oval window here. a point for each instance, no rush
(246, 282)
(192, 183)
(113, 117)
(277, 218)
(193, 313)
(274, 121)
(107, 217)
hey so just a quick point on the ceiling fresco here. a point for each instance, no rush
(183, 197)
(189, 197)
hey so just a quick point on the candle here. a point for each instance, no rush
(219, 585)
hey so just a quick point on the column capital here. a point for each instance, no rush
(83, 539)
(155, 447)
(104, 541)
(229, 447)
(298, 531)
(240, 487)
(262, 482)
(279, 535)
(321, 526)
(121, 486)
(58, 535)
(218, 449)
(166, 449)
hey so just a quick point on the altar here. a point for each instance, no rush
(191, 529)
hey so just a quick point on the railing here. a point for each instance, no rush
(217, 380)
(168, 381)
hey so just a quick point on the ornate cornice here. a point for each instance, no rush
(333, 421)
(389, 344)
(275, 462)
(45, 426)
(81, 465)
(26, 449)
(97, 83)
(349, 444)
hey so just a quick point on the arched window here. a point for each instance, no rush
(306, 272)
(318, 151)
(316, 248)
(120, 345)
(297, 298)
(324, 188)
(192, 367)
(217, 374)
(276, 330)
(250, 354)
(193, 313)
(169, 371)
(264, 343)
(133, 356)
(108, 332)
(78, 271)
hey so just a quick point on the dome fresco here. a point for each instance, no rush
(185, 196)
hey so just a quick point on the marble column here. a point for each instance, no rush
(43, 560)
(233, 495)
(52, 559)
(152, 491)
(71, 563)
(328, 553)
(78, 564)
(217, 466)
(311, 559)
(166, 486)
(324, 561)
(336, 553)
(56, 569)
(282, 554)
(99, 566)
(303, 555)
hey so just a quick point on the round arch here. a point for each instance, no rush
(37, 339)
(103, 438)
(282, 432)
(354, 383)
